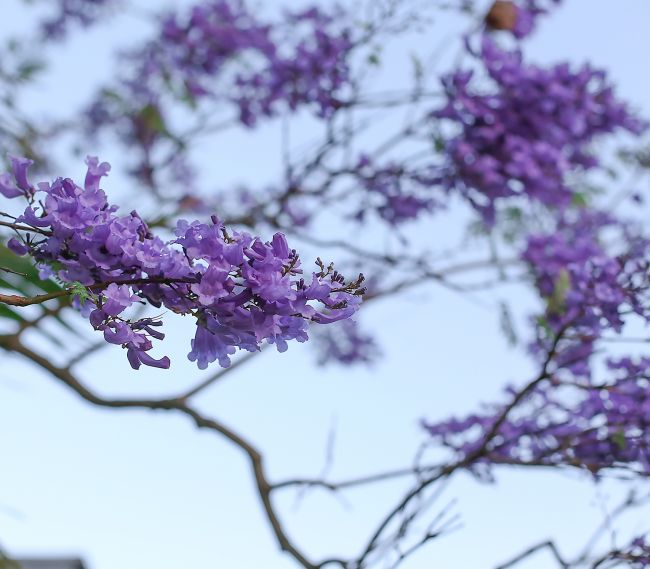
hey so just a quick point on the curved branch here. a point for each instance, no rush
(534, 549)
(26, 228)
(179, 404)
(218, 376)
(448, 470)
(371, 479)
(17, 300)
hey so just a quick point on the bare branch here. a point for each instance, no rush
(8, 270)
(447, 470)
(26, 228)
(90, 350)
(363, 480)
(219, 375)
(534, 549)
(264, 488)
(16, 300)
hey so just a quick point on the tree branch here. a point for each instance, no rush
(179, 404)
(16, 300)
(534, 549)
(445, 471)
(26, 228)
(219, 375)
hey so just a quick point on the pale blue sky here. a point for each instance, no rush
(140, 490)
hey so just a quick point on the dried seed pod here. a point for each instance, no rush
(502, 15)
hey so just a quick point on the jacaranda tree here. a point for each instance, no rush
(528, 154)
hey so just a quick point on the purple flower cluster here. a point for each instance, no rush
(527, 130)
(314, 70)
(241, 290)
(579, 425)
(221, 51)
(591, 269)
(397, 193)
(69, 12)
(345, 343)
(588, 290)
(527, 13)
(193, 50)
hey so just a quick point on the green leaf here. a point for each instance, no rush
(6, 563)
(619, 440)
(153, 119)
(28, 284)
(188, 97)
(579, 200)
(29, 68)
(111, 94)
(418, 68)
(10, 313)
(542, 322)
(507, 324)
(79, 291)
(439, 143)
(514, 213)
(557, 301)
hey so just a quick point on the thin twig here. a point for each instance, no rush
(219, 375)
(264, 489)
(548, 544)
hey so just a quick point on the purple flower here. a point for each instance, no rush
(221, 50)
(523, 134)
(95, 172)
(117, 298)
(17, 247)
(595, 427)
(16, 184)
(212, 342)
(346, 344)
(137, 357)
(586, 289)
(69, 12)
(242, 290)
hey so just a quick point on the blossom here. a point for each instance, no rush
(69, 12)
(16, 184)
(241, 289)
(222, 51)
(346, 343)
(396, 192)
(587, 287)
(525, 132)
(596, 427)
